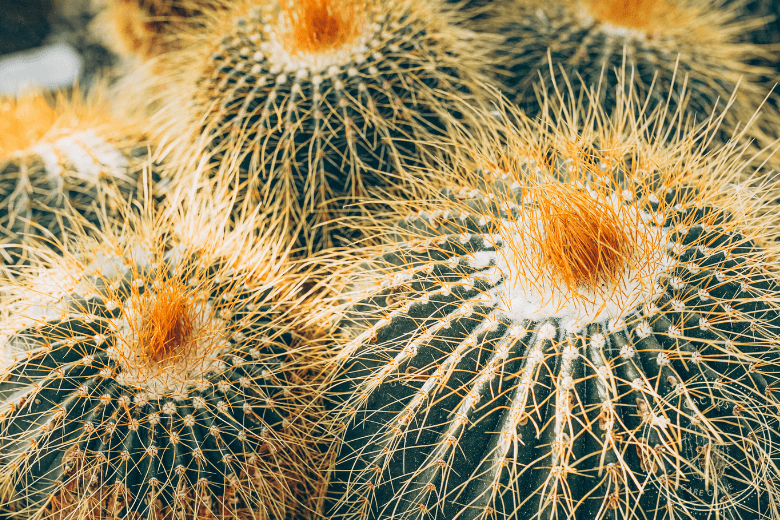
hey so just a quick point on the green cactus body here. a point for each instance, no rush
(475, 394)
(153, 387)
(702, 44)
(316, 127)
(79, 171)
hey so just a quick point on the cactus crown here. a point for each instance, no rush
(645, 15)
(311, 26)
(168, 337)
(581, 237)
(23, 121)
(166, 322)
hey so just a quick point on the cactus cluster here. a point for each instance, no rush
(575, 333)
(57, 157)
(344, 278)
(313, 105)
(153, 378)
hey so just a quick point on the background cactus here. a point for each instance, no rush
(588, 328)
(587, 40)
(146, 28)
(312, 105)
(157, 376)
(63, 155)
(24, 25)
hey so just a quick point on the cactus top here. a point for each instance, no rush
(576, 254)
(648, 16)
(157, 365)
(566, 337)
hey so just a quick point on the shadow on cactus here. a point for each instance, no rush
(311, 105)
(65, 155)
(157, 374)
(586, 326)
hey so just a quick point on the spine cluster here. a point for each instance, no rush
(312, 110)
(475, 387)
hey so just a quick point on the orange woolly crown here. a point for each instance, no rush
(632, 14)
(580, 237)
(320, 25)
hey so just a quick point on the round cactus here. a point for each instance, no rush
(155, 377)
(588, 330)
(702, 43)
(313, 105)
(59, 158)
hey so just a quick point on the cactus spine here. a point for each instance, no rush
(575, 333)
(156, 378)
(316, 104)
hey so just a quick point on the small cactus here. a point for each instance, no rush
(61, 157)
(311, 105)
(589, 329)
(155, 377)
(665, 44)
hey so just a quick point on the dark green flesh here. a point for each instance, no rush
(410, 484)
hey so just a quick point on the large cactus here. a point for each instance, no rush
(155, 378)
(312, 105)
(65, 155)
(577, 334)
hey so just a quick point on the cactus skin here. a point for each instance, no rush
(460, 410)
(716, 54)
(79, 427)
(81, 172)
(318, 131)
(65, 160)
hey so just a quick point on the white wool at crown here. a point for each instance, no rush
(89, 154)
(527, 294)
(179, 374)
(301, 63)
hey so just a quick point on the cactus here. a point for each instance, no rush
(72, 156)
(156, 377)
(587, 329)
(147, 28)
(587, 40)
(313, 105)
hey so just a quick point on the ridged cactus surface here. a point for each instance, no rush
(575, 337)
(154, 382)
(310, 106)
(62, 159)
(702, 44)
